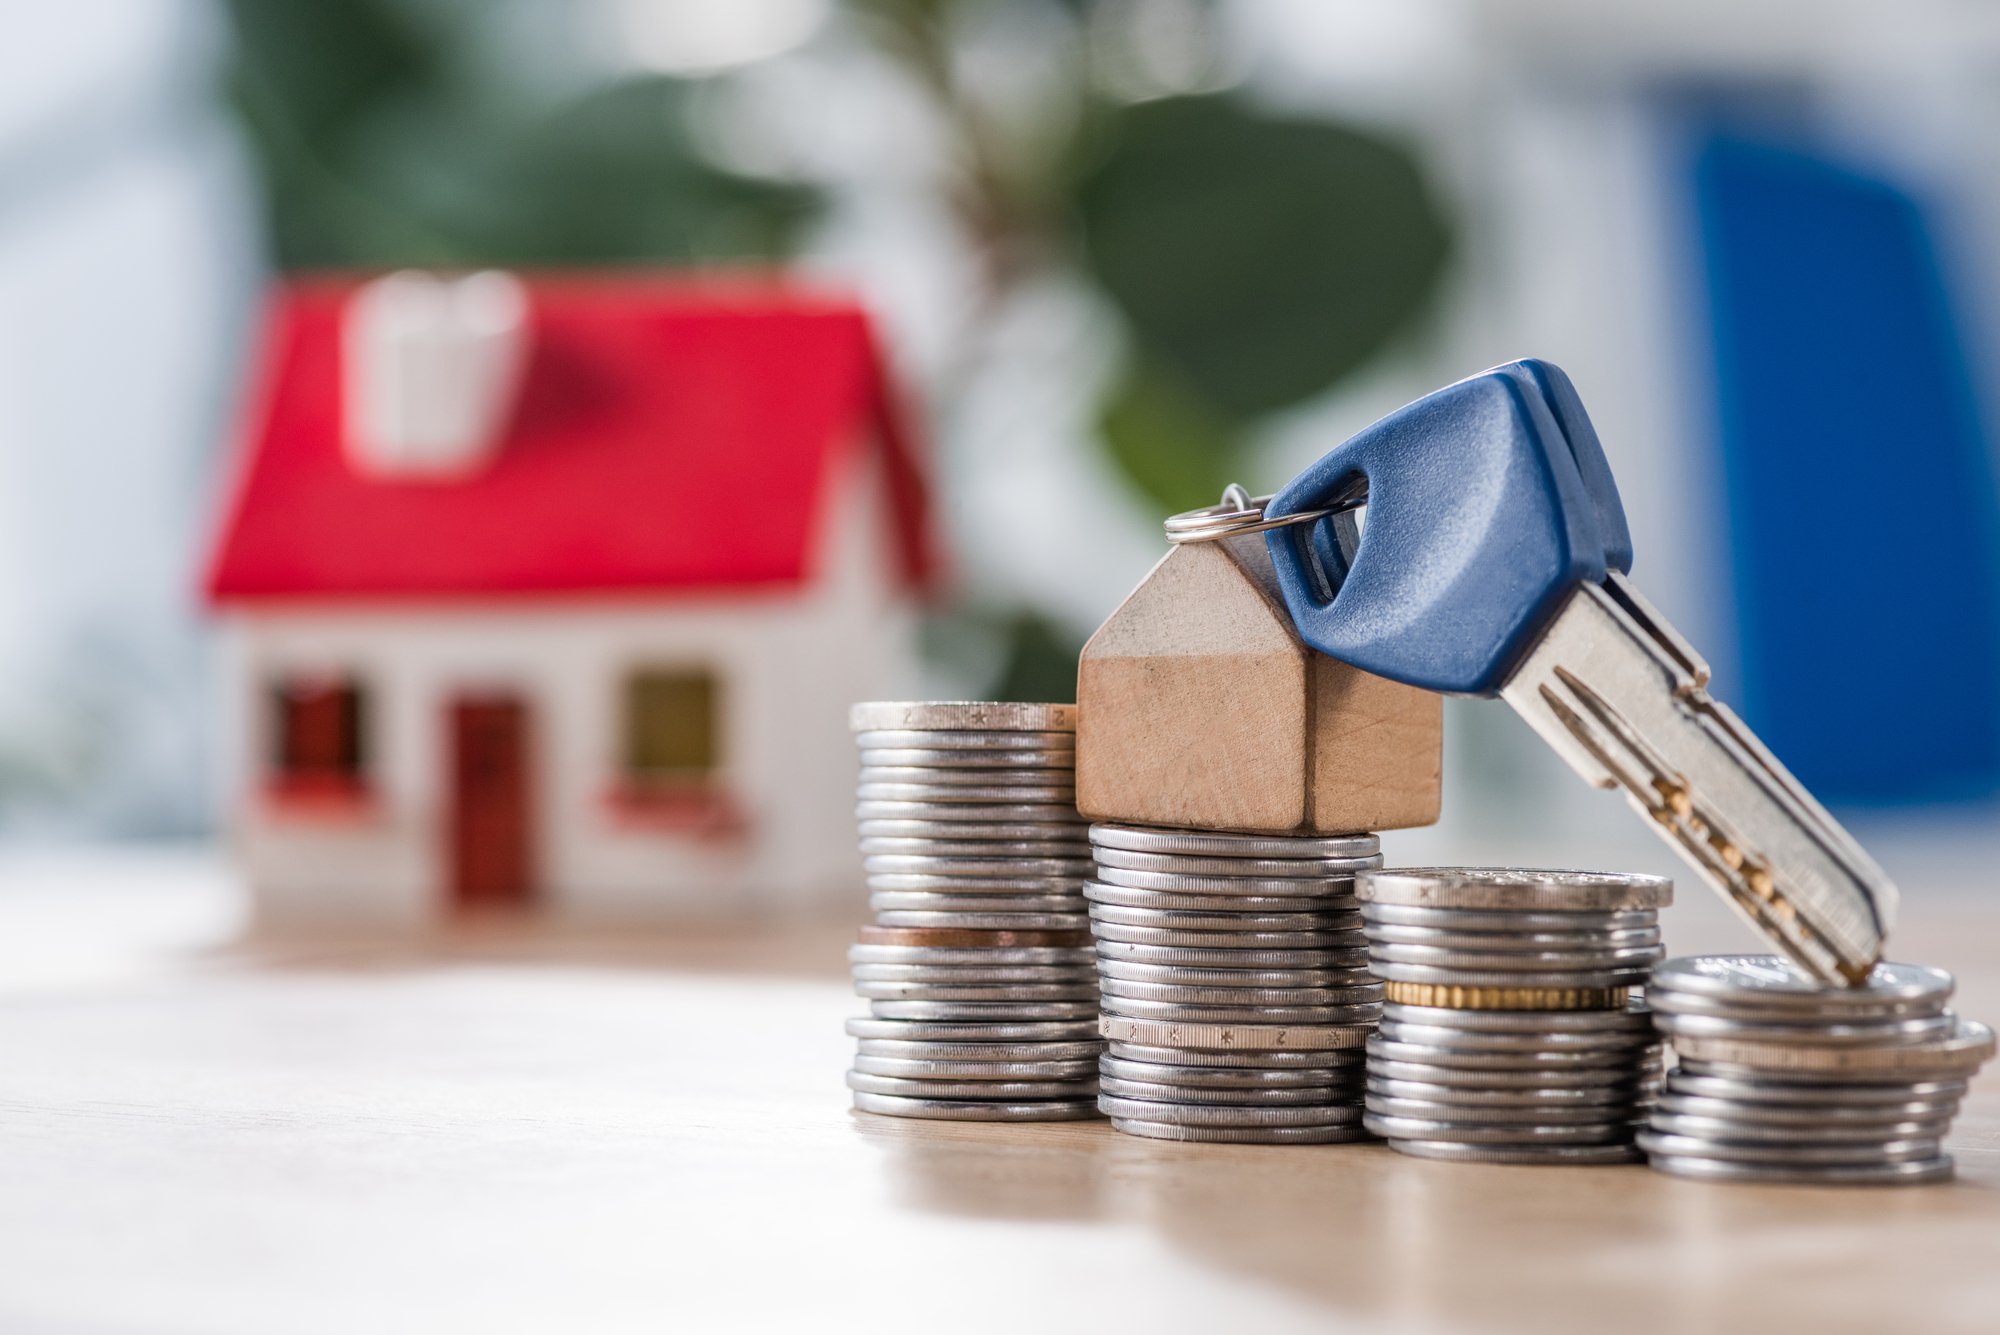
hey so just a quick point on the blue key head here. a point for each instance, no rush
(1479, 523)
(1584, 447)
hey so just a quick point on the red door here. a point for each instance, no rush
(491, 848)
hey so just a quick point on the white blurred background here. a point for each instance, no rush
(1376, 199)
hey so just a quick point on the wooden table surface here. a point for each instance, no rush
(501, 1132)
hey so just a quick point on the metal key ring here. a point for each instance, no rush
(1239, 512)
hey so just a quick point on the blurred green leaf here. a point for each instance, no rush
(378, 151)
(1168, 442)
(1041, 661)
(1257, 259)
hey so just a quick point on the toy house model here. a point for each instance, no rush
(553, 595)
(1199, 706)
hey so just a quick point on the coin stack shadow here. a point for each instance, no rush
(1510, 1034)
(1783, 1079)
(976, 970)
(1234, 983)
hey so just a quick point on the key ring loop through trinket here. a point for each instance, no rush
(1239, 512)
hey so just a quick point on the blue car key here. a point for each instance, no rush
(1493, 562)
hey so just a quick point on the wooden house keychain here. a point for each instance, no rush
(1202, 708)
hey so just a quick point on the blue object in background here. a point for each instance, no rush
(1862, 506)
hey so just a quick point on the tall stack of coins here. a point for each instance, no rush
(977, 969)
(1510, 1034)
(1234, 984)
(1783, 1079)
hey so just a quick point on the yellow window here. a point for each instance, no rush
(671, 728)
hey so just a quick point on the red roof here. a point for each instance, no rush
(671, 435)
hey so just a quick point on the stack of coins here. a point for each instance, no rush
(1234, 984)
(1783, 1079)
(977, 969)
(1510, 1033)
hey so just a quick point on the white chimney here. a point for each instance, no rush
(430, 367)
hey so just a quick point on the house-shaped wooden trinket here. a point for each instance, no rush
(1201, 708)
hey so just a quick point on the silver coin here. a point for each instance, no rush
(960, 716)
(1390, 971)
(1223, 922)
(1688, 1003)
(974, 1110)
(1437, 938)
(1200, 995)
(1961, 1052)
(978, 902)
(1210, 957)
(968, 758)
(984, 973)
(976, 956)
(903, 864)
(971, 794)
(1512, 1117)
(972, 885)
(1480, 1040)
(1229, 1077)
(1529, 1096)
(969, 831)
(1215, 885)
(1131, 1008)
(1811, 1082)
(1635, 959)
(1633, 1019)
(1338, 870)
(1528, 1060)
(959, 776)
(1905, 1173)
(1241, 1135)
(1816, 1098)
(1541, 1155)
(1533, 891)
(1210, 1114)
(1508, 923)
(983, 922)
(1216, 843)
(1771, 980)
(958, 740)
(1259, 978)
(918, 1068)
(1062, 815)
(1878, 1032)
(919, 1050)
(1209, 1096)
(1567, 1078)
(905, 991)
(1887, 1151)
(1159, 936)
(1739, 1131)
(975, 850)
(1230, 1037)
(1427, 1129)
(1099, 893)
(1079, 1029)
(1316, 1060)
(1004, 1091)
(966, 1012)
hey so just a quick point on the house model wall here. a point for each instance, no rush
(600, 675)
(1200, 708)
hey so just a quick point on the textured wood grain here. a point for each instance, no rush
(1200, 707)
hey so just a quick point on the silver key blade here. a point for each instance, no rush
(1623, 698)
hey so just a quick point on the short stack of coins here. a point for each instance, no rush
(1234, 984)
(1510, 1033)
(1780, 1078)
(977, 969)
